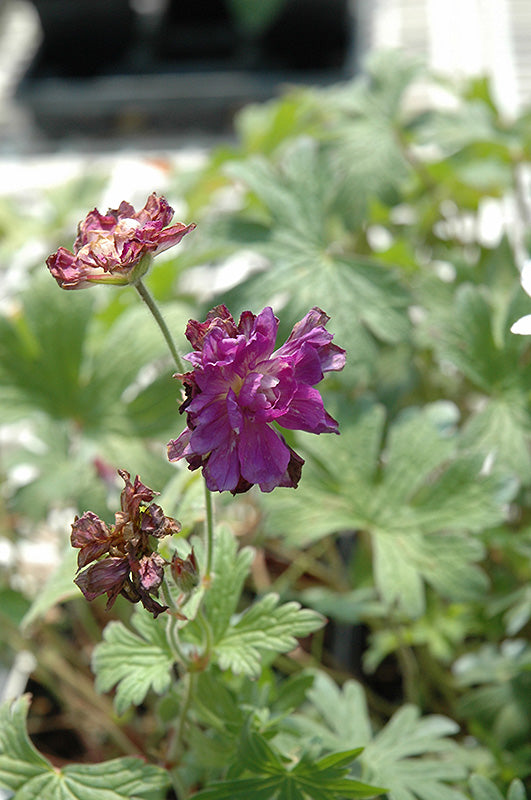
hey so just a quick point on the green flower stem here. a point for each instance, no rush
(175, 742)
(209, 528)
(172, 627)
(159, 319)
(207, 630)
(177, 784)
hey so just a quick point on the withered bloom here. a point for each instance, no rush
(109, 247)
(122, 555)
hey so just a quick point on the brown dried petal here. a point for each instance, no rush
(104, 576)
(91, 535)
(151, 571)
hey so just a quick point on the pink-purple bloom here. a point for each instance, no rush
(240, 388)
(109, 248)
(121, 557)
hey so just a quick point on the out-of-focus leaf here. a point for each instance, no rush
(422, 486)
(59, 587)
(412, 755)
(475, 337)
(309, 266)
(499, 684)
(483, 789)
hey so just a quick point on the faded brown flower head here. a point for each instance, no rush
(121, 556)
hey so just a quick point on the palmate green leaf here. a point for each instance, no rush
(59, 587)
(231, 567)
(241, 640)
(483, 789)
(223, 704)
(307, 779)
(136, 662)
(475, 337)
(310, 261)
(29, 775)
(412, 755)
(41, 351)
(265, 627)
(57, 361)
(416, 485)
(71, 381)
(498, 697)
(364, 125)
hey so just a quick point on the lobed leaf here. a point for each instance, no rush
(136, 662)
(29, 775)
(264, 627)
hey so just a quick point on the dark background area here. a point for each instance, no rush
(116, 66)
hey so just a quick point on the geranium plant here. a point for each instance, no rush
(296, 616)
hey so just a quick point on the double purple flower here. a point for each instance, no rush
(240, 388)
(109, 248)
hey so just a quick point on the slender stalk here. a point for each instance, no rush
(172, 628)
(175, 741)
(159, 319)
(207, 630)
(178, 785)
(209, 529)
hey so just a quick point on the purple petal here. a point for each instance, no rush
(180, 448)
(290, 479)
(311, 331)
(261, 334)
(222, 470)
(264, 456)
(212, 428)
(306, 413)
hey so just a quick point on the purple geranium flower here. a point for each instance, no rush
(240, 385)
(109, 248)
(122, 556)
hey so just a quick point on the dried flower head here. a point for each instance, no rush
(240, 385)
(123, 559)
(117, 247)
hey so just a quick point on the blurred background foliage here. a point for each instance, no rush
(407, 221)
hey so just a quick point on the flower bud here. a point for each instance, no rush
(185, 572)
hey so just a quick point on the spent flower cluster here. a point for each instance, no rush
(121, 556)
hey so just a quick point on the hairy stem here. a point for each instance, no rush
(159, 319)
(209, 530)
(176, 739)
